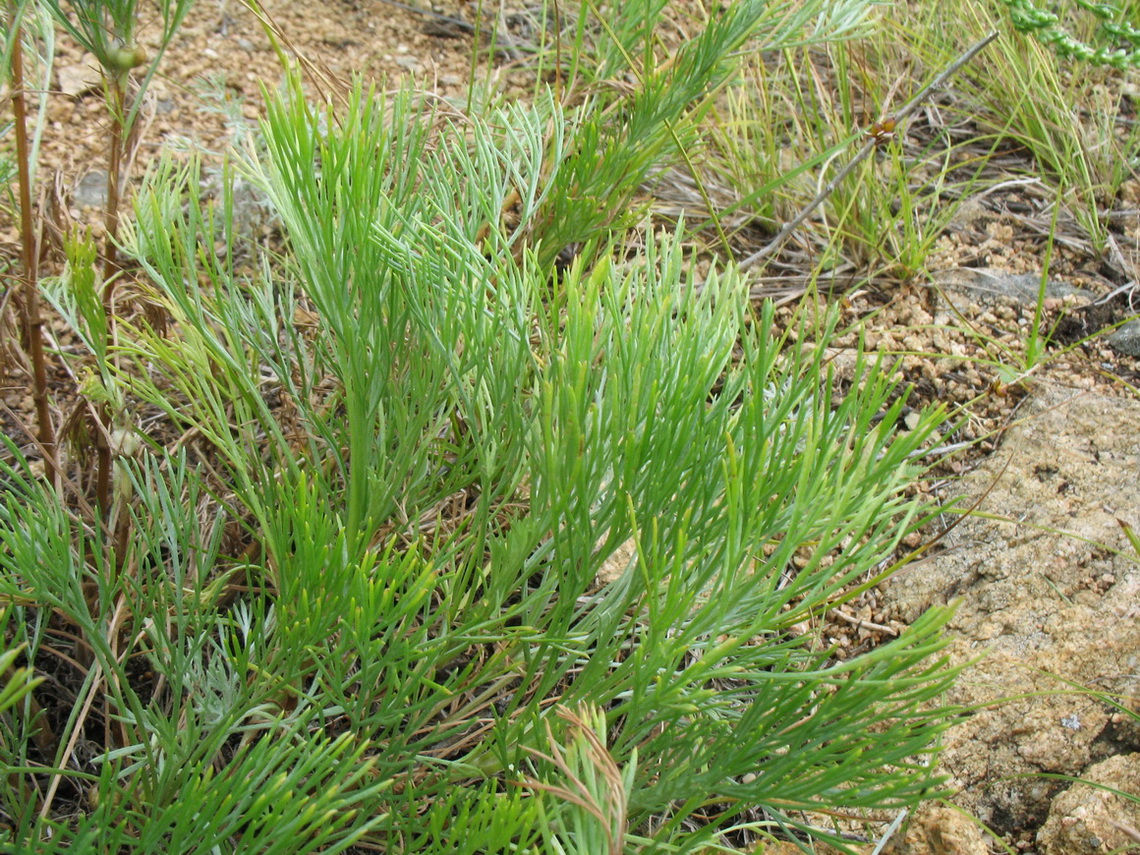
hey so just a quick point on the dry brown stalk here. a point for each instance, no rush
(29, 256)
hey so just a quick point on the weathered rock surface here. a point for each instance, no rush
(988, 285)
(940, 831)
(1046, 604)
(1127, 338)
(79, 78)
(1085, 819)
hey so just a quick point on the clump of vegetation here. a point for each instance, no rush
(1120, 41)
(415, 531)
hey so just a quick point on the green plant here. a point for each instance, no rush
(623, 133)
(1113, 26)
(882, 215)
(1074, 124)
(1133, 538)
(431, 546)
(875, 135)
(593, 792)
(422, 452)
(17, 683)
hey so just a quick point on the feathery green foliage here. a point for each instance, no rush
(432, 542)
(404, 659)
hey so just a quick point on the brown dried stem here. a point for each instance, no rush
(29, 257)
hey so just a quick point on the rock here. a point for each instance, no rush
(988, 285)
(1039, 596)
(614, 567)
(91, 192)
(1085, 820)
(1126, 339)
(80, 78)
(940, 831)
(778, 847)
(161, 96)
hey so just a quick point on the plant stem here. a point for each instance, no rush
(116, 98)
(30, 309)
(111, 215)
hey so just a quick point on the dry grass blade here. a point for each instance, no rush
(606, 799)
(332, 86)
